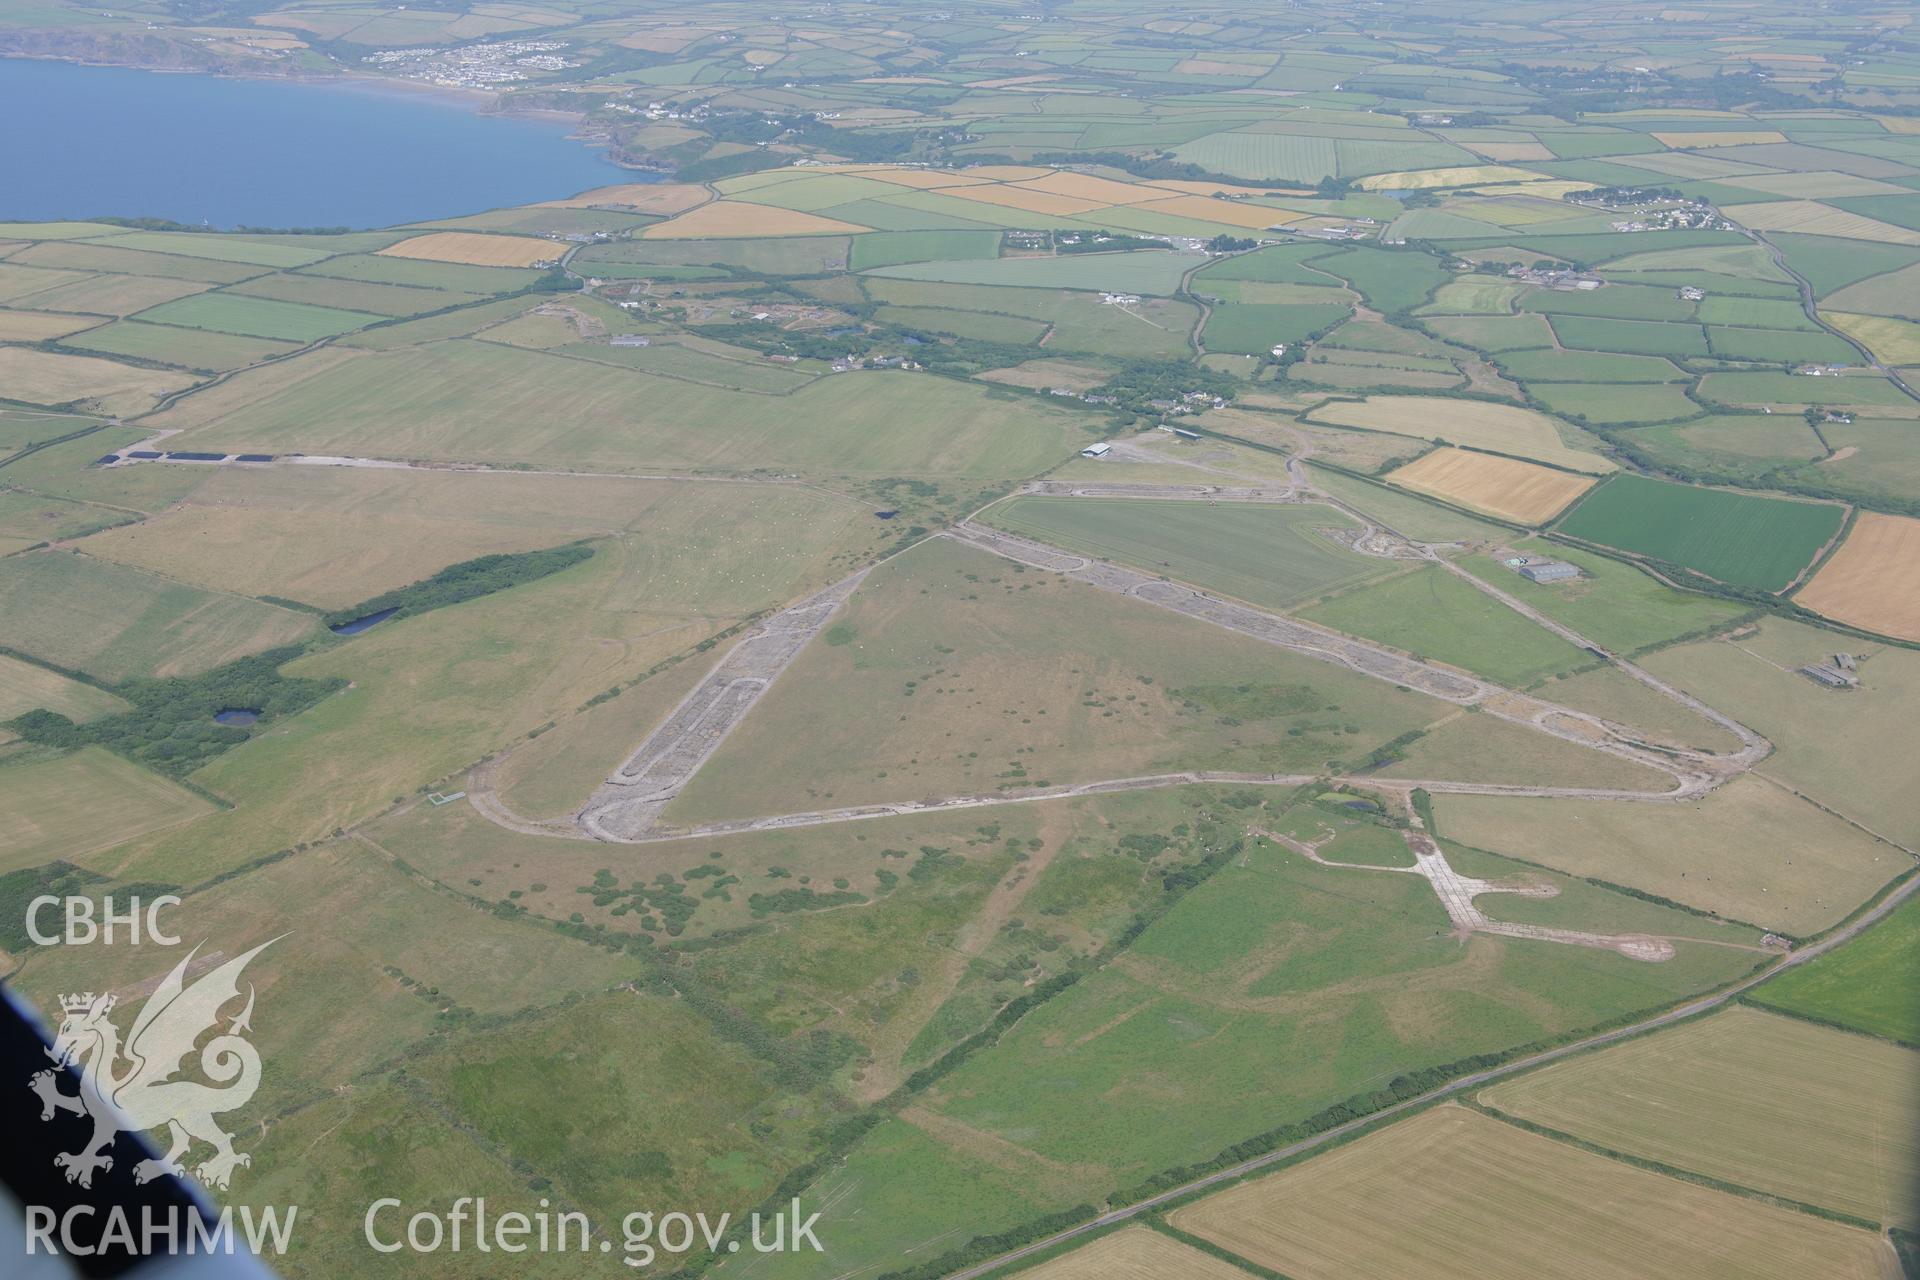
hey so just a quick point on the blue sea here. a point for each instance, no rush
(86, 142)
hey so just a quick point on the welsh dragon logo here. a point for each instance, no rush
(131, 1085)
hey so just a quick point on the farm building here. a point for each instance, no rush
(1832, 677)
(1100, 450)
(1549, 571)
(629, 340)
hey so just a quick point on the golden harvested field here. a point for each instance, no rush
(1718, 138)
(1821, 1116)
(1873, 580)
(1214, 67)
(1462, 176)
(24, 686)
(736, 218)
(1010, 172)
(1040, 375)
(1749, 851)
(1454, 1195)
(1185, 187)
(1506, 487)
(1232, 212)
(42, 377)
(1028, 201)
(1084, 186)
(332, 536)
(38, 326)
(1137, 1253)
(1895, 342)
(474, 249)
(1503, 428)
(1811, 218)
(641, 197)
(75, 804)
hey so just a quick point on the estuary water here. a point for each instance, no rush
(84, 142)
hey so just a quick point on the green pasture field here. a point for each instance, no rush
(1432, 614)
(343, 1007)
(1274, 949)
(1617, 402)
(891, 248)
(1377, 335)
(1480, 748)
(1612, 604)
(1494, 333)
(1262, 156)
(184, 348)
(1862, 984)
(1789, 389)
(113, 622)
(1251, 328)
(471, 400)
(1037, 679)
(1325, 371)
(1897, 293)
(1615, 302)
(1748, 851)
(1790, 346)
(1762, 1101)
(1843, 751)
(93, 257)
(1271, 556)
(250, 250)
(535, 220)
(1607, 691)
(1279, 264)
(676, 360)
(724, 1129)
(1754, 313)
(1830, 264)
(1390, 282)
(1885, 464)
(1744, 260)
(34, 517)
(1745, 446)
(1598, 333)
(1143, 271)
(1739, 538)
(1475, 295)
(1585, 366)
(25, 686)
(1728, 288)
(450, 276)
(783, 256)
(965, 324)
(350, 295)
(68, 806)
(259, 317)
(1271, 950)
(434, 328)
(1080, 321)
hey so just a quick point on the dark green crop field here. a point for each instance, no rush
(1740, 539)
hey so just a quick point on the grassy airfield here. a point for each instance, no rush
(974, 1012)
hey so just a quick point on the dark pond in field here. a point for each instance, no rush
(89, 142)
(358, 625)
(236, 716)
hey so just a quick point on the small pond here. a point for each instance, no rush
(358, 625)
(236, 715)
